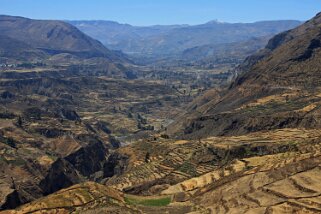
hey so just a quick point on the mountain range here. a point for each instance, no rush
(174, 39)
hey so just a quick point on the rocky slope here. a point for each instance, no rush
(279, 88)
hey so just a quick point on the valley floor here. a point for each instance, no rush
(59, 128)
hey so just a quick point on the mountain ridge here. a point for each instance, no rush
(170, 40)
(271, 87)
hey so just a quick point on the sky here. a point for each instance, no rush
(165, 12)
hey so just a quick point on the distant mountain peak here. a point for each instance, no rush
(216, 21)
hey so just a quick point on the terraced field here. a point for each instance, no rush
(86, 196)
(283, 183)
(265, 172)
(170, 162)
(186, 169)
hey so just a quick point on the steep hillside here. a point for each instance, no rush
(16, 50)
(279, 88)
(52, 37)
(233, 53)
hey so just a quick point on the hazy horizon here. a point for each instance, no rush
(175, 12)
(115, 21)
(219, 21)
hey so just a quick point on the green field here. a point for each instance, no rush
(155, 202)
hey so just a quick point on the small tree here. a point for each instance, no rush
(19, 122)
(147, 157)
(130, 115)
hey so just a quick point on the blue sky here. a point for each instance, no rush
(150, 12)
